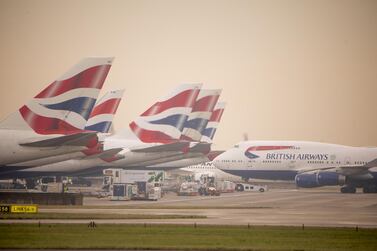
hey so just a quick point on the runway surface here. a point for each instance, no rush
(311, 207)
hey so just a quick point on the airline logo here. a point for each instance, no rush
(65, 105)
(102, 115)
(277, 155)
(163, 122)
(213, 123)
(250, 155)
(201, 113)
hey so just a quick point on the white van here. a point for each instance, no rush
(244, 187)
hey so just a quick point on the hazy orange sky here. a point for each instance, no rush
(290, 70)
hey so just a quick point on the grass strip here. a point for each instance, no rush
(93, 216)
(188, 237)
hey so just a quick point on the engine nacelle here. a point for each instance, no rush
(318, 179)
(307, 180)
(331, 179)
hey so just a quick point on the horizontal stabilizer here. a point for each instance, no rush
(177, 146)
(112, 155)
(213, 154)
(201, 147)
(106, 153)
(77, 139)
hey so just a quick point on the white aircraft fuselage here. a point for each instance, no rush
(283, 160)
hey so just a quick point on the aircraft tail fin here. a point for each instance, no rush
(64, 106)
(209, 132)
(102, 115)
(163, 121)
(201, 113)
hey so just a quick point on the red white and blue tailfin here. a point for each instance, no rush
(200, 114)
(213, 123)
(163, 122)
(102, 115)
(64, 106)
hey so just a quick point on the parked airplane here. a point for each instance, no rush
(100, 120)
(52, 122)
(199, 153)
(154, 134)
(310, 164)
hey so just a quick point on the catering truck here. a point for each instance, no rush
(133, 184)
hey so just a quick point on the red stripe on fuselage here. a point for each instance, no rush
(266, 148)
(93, 77)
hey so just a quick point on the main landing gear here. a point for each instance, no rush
(370, 189)
(352, 189)
(348, 189)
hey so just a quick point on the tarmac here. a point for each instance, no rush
(323, 207)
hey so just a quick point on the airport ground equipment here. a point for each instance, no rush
(133, 184)
(123, 191)
(189, 188)
(245, 187)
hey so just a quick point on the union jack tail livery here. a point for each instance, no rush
(102, 115)
(213, 123)
(201, 113)
(64, 106)
(163, 122)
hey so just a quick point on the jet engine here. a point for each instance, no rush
(319, 178)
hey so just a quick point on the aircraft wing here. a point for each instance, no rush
(176, 146)
(77, 139)
(348, 170)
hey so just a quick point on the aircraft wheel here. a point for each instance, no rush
(348, 189)
(366, 189)
(370, 189)
(239, 188)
